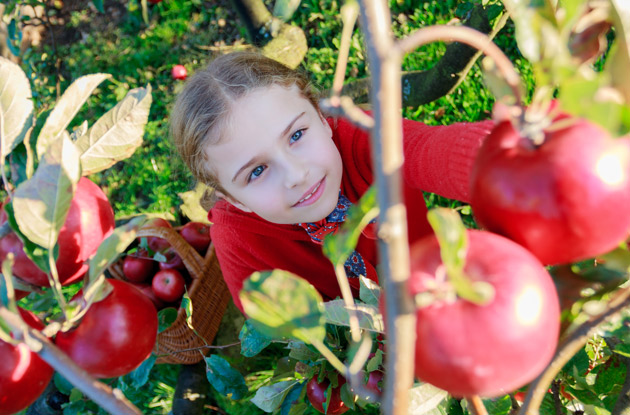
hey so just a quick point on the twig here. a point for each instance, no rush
(112, 400)
(569, 347)
(349, 20)
(557, 404)
(476, 405)
(344, 107)
(385, 63)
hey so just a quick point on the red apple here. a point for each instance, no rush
(179, 72)
(173, 260)
(197, 234)
(565, 200)
(317, 395)
(147, 290)
(90, 220)
(488, 350)
(168, 285)
(139, 267)
(115, 335)
(157, 244)
(23, 374)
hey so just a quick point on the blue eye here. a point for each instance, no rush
(256, 172)
(296, 136)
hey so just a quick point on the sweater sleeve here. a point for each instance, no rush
(439, 159)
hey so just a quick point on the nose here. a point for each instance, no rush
(295, 171)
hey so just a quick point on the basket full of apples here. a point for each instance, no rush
(166, 262)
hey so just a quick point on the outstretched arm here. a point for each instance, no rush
(439, 159)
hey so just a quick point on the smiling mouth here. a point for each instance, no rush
(312, 195)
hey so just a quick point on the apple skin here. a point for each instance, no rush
(487, 350)
(90, 220)
(565, 200)
(179, 72)
(139, 267)
(155, 243)
(168, 285)
(197, 234)
(173, 260)
(147, 290)
(23, 374)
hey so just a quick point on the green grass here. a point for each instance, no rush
(185, 31)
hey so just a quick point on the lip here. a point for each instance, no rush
(312, 195)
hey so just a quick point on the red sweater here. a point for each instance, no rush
(437, 159)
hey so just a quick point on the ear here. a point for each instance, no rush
(233, 202)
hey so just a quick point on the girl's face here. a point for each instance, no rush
(277, 159)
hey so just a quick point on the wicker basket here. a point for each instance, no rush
(179, 344)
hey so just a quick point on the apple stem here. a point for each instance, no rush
(348, 300)
(567, 349)
(330, 356)
(55, 284)
(476, 405)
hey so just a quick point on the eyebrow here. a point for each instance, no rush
(282, 134)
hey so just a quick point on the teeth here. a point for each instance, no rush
(310, 194)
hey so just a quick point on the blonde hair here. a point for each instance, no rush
(202, 108)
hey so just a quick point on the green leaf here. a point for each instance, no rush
(187, 305)
(117, 134)
(225, 379)
(576, 96)
(623, 349)
(610, 377)
(426, 399)
(166, 317)
(76, 407)
(269, 398)
(453, 239)
(282, 304)
(375, 362)
(252, 341)
(192, 206)
(140, 376)
(41, 204)
(284, 9)
(36, 253)
(99, 5)
(346, 395)
(339, 246)
(66, 108)
(115, 244)
(292, 400)
(336, 312)
(62, 384)
(16, 106)
(369, 291)
(300, 351)
(501, 405)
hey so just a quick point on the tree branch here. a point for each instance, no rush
(443, 77)
(112, 400)
(569, 347)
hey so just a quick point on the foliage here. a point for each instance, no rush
(139, 46)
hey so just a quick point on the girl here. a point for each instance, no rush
(285, 175)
